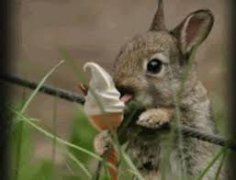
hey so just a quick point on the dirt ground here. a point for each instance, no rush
(94, 31)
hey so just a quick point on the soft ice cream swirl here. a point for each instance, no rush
(102, 95)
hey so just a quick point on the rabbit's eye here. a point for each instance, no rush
(154, 66)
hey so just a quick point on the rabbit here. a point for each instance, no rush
(151, 69)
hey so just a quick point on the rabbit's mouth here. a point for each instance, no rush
(126, 94)
(126, 98)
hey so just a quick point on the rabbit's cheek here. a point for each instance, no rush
(144, 99)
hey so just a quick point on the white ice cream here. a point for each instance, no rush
(102, 95)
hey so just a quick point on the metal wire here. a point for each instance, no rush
(74, 97)
(211, 138)
(47, 89)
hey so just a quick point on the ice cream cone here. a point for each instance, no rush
(104, 108)
(106, 120)
(102, 100)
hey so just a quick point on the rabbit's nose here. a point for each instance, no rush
(124, 90)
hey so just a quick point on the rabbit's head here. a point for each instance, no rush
(151, 66)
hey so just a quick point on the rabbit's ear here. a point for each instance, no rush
(158, 22)
(193, 30)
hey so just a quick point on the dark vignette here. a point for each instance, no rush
(5, 56)
(232, 86)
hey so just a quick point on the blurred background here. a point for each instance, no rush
(94, 31)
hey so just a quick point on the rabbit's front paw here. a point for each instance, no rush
(155, 118)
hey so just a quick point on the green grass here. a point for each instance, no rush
(78, 149)
(78, 152)
(80, 160)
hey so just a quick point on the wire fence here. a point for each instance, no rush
(74, 97)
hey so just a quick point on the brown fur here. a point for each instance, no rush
(158, 92)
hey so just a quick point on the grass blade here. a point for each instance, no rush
(58, 139)
(26, 104)
(23, 109)
(211, 163)
(131, 165)
(80, 164)
(221, 165)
